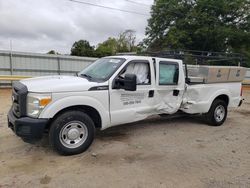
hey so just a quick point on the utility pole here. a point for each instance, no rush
(11, 63)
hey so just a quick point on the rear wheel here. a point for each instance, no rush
(72, 132)
(217, 113)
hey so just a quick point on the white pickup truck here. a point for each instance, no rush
(117, 90)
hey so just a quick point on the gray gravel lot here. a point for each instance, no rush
(157, 152)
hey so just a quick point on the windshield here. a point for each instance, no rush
(102, 69)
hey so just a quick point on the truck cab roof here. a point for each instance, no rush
(149, 58)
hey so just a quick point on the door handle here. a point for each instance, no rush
(151, 93)
(176, 92)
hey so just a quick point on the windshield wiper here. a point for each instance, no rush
(86, 76)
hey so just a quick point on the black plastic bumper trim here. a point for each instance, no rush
(26, 127)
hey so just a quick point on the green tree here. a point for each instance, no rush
(82, 48)
(126, 41)
(207, 25)
(107, 48)
(53, 52)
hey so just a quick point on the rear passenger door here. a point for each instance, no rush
(169, 86)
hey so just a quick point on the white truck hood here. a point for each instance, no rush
(58, 84)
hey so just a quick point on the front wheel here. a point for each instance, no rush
(217, 113)
(72, 132)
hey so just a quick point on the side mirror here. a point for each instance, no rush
(128, 83)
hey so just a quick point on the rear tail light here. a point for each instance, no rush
(241, 91)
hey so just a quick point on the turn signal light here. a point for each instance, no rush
(44, 102)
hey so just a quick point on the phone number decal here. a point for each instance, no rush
(133, 98)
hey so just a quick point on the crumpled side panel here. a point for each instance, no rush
(167, 103)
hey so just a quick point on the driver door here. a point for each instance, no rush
(130, 106)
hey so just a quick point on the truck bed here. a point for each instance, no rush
(197, 98)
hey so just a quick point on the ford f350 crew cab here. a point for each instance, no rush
(117, 90)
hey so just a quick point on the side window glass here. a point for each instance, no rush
(168, 73)
(141, 69)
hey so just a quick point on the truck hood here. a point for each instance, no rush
(58, 84)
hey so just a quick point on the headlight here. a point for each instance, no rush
(36, 102)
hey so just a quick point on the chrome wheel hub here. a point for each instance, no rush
(73, 134)
(219, 113)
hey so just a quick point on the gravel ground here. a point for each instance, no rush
(157, 152)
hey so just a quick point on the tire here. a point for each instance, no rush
(72, 132)
(30, 141)
(164, 115)
(217, 113)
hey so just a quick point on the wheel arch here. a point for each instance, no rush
(223, 97)
(90, 111)
(89, 105)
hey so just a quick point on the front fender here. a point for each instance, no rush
(52, 109)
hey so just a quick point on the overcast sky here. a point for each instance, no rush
(43, 25)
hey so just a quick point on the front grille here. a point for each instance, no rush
(15, 105)
(19, 97)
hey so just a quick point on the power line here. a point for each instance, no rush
(148, 5)
(138, 3)
(111, 8)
